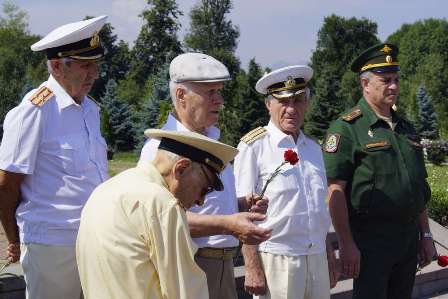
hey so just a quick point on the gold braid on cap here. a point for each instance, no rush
(94, 43)
(288, 85)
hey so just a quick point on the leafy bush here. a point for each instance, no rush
(436, 150)
(438, 205)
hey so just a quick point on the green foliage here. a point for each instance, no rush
(156, 108)
(157, 41)
(438, 205)
(424, 60)
(115, 63)
(427, 125)
(339, 41)
(119, 129)
(209, 27)
(435, 150)
(20, 68)
(253, 109)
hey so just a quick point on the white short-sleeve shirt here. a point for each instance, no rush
(60, 149)
(297, 212)
(216, 203)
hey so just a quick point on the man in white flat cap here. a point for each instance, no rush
(293, 262)
(196, 81)
(52, 156)
(141, 246)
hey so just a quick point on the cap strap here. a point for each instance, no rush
(371, 66)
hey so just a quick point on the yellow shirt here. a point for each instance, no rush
(134, 241)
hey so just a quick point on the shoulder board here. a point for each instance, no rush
(254, 135)
(41, 96)
(352, 114)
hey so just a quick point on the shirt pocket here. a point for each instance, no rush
(380, 157)
(73, 154)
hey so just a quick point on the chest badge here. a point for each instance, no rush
(370, 133)
(332, 143)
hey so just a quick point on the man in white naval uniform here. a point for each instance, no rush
(52, 156)
(195, 83)
(293, 262)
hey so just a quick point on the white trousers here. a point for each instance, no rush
(298, 277)
(50, 271)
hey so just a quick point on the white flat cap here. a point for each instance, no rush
(77, 40)
(197, 147)
(285, 82)
(197, 67)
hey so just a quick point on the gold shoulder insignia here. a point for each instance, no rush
(353, 114)
(41, 96)
(254, 135)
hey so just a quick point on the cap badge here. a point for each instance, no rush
(386, 49)
(290, 83)
(389, 59)
(95, 40)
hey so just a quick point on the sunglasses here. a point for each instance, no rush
(210, 184)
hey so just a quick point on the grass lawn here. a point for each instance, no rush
(122, 161)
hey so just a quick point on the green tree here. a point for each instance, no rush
(339, 41)
(157, 41)
(423, 59)
(20, 68)
(325, 106)
(213, 34)
(427, 125)
(115, 63)
(119, 129)
(253, 109)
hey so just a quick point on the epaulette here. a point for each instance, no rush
(254, 135)
(352, 114)
(41, 96)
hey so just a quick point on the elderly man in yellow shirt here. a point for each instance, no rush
(134, 241)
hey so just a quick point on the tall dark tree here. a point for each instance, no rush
(19, 66)
(154, 109)
(117, 124)
(325, 105)
(212, 33)
(424, 59)
(157, 41)
(427, 125)
(115, 63)
(253, 109)
(339, 41)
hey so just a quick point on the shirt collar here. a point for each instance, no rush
(172, 124)
(279, 137)
(151, 171)
(63, 99)
(370, 114)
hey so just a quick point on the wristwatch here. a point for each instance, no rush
(426, 235)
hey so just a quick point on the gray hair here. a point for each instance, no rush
(171, 156)
(173, 88)
(307, 95)
(64, 60)
(366, 74)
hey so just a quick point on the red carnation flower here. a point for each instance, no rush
(290, 157)
(442, 260)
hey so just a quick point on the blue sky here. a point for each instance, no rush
(276, 33)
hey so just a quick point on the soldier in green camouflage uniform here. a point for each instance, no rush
(377, 185)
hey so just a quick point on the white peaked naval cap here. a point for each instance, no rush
(285, 82)
(78, 40)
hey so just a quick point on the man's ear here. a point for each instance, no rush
(364, 82)
(180, 167)
(56, 65)
(180, 95)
